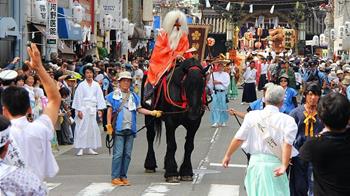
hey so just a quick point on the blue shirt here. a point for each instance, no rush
(319, 75)
(348, 92)
(114, 100)
(288, 104)
(257, 104)
(105, 84)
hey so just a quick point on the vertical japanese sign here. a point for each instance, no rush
(51, 36)
(289, 38)
(52, 22)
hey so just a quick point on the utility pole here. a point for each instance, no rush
(21, 42)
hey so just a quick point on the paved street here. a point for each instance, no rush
(90, 175)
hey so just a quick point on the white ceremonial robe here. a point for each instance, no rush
(88, 99)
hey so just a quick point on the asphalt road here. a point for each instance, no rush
(91, 174)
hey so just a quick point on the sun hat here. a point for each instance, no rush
(124, 75)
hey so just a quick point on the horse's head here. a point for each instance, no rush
(193, 84)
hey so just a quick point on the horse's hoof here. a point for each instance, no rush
(186, 178)
(150, 170)
(172, 179)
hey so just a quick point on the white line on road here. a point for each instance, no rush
(201, 166)
(51, 186)
(223, 190)
(96, 189)
(229, 165)
(158, 189)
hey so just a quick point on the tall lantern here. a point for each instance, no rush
(107, 21)
(125, 25)
(347, 28)
(39, 8)
(78, 12)
(148, 30)
(315, 40)
(131, 29)
(341, 32)
(323, 40)
(332, 35)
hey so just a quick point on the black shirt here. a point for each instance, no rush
(330, 157)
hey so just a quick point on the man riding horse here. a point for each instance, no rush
(175, 83)
(171, 46)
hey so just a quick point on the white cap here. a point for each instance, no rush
(8, 75)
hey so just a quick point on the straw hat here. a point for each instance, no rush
(340, 72)
(124, 75)
(346, 80)
(221, 61)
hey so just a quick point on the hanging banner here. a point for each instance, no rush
(197, 37)
(113, 8)
(289, 38)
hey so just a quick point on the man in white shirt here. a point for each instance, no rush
(88, 100)
(263, 74)
(218, 83)
(268, 135)
(249, 76)
(33, 139)
(15, 180)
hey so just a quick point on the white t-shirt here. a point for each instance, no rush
(33, 141)
(223, 77)
(264, 67)
(249, 75)
(281, 127)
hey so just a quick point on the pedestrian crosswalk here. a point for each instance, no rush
(223, 189)
(96, 189)
(154, 189)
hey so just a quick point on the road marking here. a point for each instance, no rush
(158, 189)
(51, 186)
(201, 166)
(223, 190)
(96, 189)
(229, 165)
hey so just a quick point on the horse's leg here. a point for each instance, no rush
(170, 164)
(186, 171)
(150, 162)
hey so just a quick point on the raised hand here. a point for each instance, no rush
(35, 58)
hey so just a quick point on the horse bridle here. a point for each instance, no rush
(183, 93)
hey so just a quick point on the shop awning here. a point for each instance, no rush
(8, 27)
(67, 29)
(41, 28)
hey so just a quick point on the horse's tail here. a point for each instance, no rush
(143, 91)
(158, 129)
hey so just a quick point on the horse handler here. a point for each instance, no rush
(121, 123)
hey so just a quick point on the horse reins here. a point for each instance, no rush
(110, 139)
(183, 93)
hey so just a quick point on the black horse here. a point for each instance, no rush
(181, 100)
